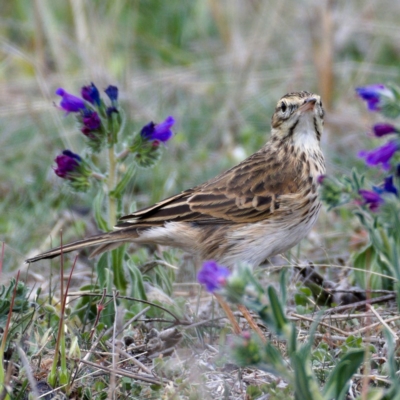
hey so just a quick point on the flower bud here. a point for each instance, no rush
(69, 102)
(71, 167)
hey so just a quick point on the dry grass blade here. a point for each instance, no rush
(130, 358)
(385, 323)
(121, 372)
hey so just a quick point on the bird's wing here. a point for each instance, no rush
(248, 192)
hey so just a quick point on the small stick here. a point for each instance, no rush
(359, 304)
(129, 357)
(229, 314)
(383, 322)
(252, 323)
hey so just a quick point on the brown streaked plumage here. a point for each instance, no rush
(261, 207)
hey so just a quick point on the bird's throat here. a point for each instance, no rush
(306, 135)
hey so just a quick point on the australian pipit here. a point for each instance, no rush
(261, 207)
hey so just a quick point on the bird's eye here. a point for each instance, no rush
(283, 107)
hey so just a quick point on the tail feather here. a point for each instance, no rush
(105, 241)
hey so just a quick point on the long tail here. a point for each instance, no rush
(106, 241)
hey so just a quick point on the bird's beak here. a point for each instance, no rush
(308, 105)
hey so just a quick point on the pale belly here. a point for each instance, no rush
(254, 243)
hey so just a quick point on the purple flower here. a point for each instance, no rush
(161, 131)
(380, 155)
(91, 120)
(372, 199)
(321, 179)
(112, 93)
(67, 164)
(69, 102)
(91, 94)
(212, 275)
(383, 129)
(388, 185)
(372, 94)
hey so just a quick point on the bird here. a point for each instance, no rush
(259, 208)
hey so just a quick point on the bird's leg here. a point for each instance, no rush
(224, 305)
(252, 323)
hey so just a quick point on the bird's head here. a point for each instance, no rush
(299, 117)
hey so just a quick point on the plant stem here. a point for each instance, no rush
(4, 338)
(112, 206)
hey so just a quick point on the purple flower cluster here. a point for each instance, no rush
(373, 198)
(384, 129)
(381, 155)
(91, 122)
(101, 123)
(112, 93)
(67, 164)
(89, 110)
(91, 94)
(74, 169)
(374, 95)
(160, 132)
(213, 276)
(69, 102)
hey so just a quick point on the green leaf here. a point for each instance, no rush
(277, 310)
(394, 391)
(276, 362)
(98, 211)
(337, 385)
(136, 287)
(305, 385)
(120, 188)
(301, 300)
(370, 265)
(108, 314)
(87, 393)
(117, 262)
(101, 267)
(163, 280)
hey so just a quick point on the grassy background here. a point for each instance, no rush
(217, 66)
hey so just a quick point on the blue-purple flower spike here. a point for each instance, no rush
(67, 163)
(373, 94)
(213, 276)
(91, 94)
(372, 199)
(384, 129)
(91, 120)
(112, 93)
(161, 131)
(69, 102)
(381, 155)
(388, 186)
